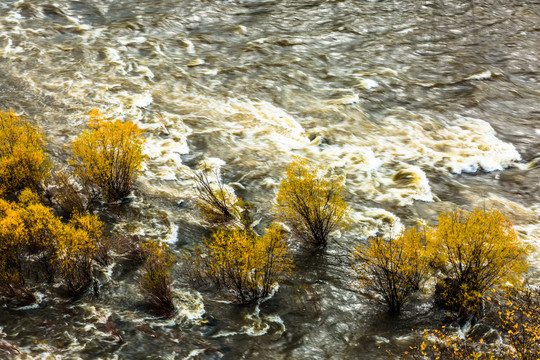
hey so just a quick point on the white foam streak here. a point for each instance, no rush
(194, 354)
(369, 84)
(189, 309)
(113, 57)
(138, 40)
(138, 100)
(211, 164)
(166, 140)
(190, 48)
(257, 325)
(374, 221)
(480, 76)
(465, 145)
(368, 175)
(39, 299)
(173, 236)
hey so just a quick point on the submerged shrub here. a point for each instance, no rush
(13, 236)
(442, 344)
(27, 233)
(43, 229)
(390, 270)
(108, 156)
(23, 162)
(36, 246)
(93, 227)
(477, 250)
(67, 195)
(311, 203)
(218, 203)
(518, 316)
(80, 247)
(156, 281)
(240, 263)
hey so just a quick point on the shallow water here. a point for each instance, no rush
(419, 106)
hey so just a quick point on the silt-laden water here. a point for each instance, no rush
(419, 106)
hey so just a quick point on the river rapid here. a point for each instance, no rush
(419, 106)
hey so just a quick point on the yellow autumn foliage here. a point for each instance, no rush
(242, 264)
(470, 252)
(311, 202)
(217, 202)
(23, 162)
(518, 317)
(514, 311)
(33, 241)
(12, 238)
(74, 257)
(79, 246)
(156, 281)
(477, 250)
(108, 156)
(42, 227)
(442, 344)
(25, 229)
(390, 270)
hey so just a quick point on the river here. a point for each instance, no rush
(421, 106)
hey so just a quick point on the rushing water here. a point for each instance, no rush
(419, 106)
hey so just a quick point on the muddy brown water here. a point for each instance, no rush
(419, 106)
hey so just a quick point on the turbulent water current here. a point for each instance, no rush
(419, 106)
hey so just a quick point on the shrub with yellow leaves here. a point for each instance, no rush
(108, 156)
(518, 316)
(13, 236)
(36, 245)
(79, 247)
(242, 264)
(42, 229)
(156, 281)
(442, 344)
(390, 270)
(217, 202)
(515, 311)
(477, 250)
(311, 202)
(23, 162)
(26, 228)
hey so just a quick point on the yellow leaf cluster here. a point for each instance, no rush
(217, 202)
(470, 251)
(12, 238)
(311, 202)
(476, 251)
(108, 156)
(440, 344)
(33, 240)
(78, 246)
(519, 318)
(391, 270)
(23, 162)
(74, 256)
(156, 279)
(243, 264)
